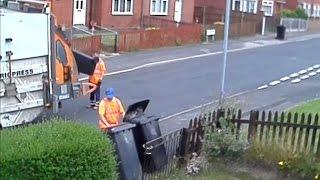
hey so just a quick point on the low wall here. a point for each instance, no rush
(237, 30)
(159, 37)
(88, 45)
(314, 25)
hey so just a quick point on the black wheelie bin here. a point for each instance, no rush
(147, 130)
(127, 155)
(281, 31)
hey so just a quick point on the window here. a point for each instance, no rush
(267, 7)
(159, 7)
(249, 6)
(308, 9)
(237, 6)
(61, 53)
(122, 7)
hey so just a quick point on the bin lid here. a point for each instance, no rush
(122, 127)
(141, 120)
(148, 119)
(136, 109)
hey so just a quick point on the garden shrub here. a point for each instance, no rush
(222, 143)
(57, 149)
(305, 166)
(298, 13)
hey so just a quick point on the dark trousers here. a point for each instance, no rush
(95, 95)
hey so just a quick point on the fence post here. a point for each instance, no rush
(220, 114)
(313, 140)
(254, 115)
(116, 43)
(184, 146)
(238, 124)
(200, 133)
(250, 126)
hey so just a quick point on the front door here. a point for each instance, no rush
(79, 11)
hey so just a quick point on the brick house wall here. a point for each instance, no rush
(188, 11)
(100, 11)
(102, 14)
(312, 7)
(63, 10)
(146, 10)
(218, 4)
(291, 4)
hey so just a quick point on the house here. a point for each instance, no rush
(311, 7)
(270, 7)
(120, 14)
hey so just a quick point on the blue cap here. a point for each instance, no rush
(110, 93)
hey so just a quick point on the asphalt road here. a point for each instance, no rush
(177, 86)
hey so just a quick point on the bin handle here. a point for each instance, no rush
(148, 152)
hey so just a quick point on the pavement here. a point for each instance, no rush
(183, 82)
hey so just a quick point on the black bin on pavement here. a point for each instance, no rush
(147, 129)
(281, 31)
(127, 155)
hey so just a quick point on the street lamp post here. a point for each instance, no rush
(225, 49)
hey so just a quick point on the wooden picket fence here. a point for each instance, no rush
(299, 132)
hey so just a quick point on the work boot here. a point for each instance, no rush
(96, 106)
(91, 105)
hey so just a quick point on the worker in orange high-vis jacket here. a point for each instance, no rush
(111, 111)
(96, 79)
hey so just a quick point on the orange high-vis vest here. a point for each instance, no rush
(112, 110)
(98, 73)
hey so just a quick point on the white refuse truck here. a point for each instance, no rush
(38, 68)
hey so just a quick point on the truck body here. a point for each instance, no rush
(38, 69)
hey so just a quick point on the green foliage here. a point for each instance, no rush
(56, 149)
(178, 42)
(306, 166)
(223, 143)
(308, 107)
(298, 13)
(267, 154)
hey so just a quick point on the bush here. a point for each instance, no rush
(178, 42)
(56, 150)
(306, 166)
(267, 154)
(298, 13)
(222, 143)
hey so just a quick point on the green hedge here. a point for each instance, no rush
(297, 13)
(56, 150)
